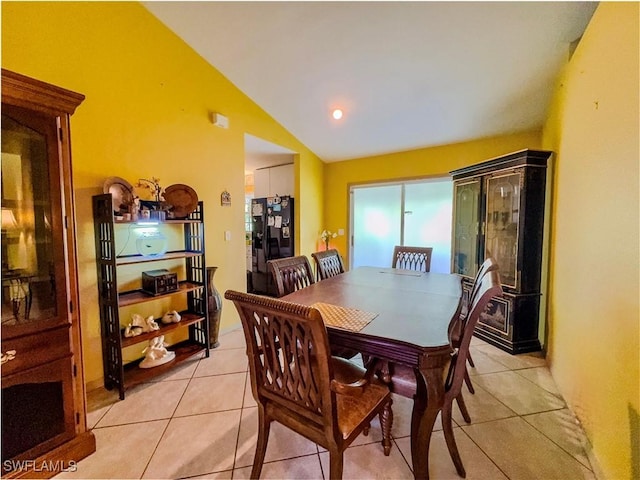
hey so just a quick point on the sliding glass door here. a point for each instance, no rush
(414, 213)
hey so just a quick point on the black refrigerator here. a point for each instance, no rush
(271, 238)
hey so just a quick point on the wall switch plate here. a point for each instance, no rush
(227, 236)
(341, 231)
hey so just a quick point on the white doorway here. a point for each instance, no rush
(416, 213)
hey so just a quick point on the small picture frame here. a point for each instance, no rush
(225, 199)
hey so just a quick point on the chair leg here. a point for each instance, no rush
(447, 427)
(386, 422)
(365, 430)
(264, 426)
(470, 360)
(335, 465)
(467, 380)
(463, 408)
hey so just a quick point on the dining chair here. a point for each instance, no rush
(455, 332)
(403, 379)
(328, 263)
(290, 274)
(412, 258)
(297, 383)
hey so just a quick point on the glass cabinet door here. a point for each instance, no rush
(502, 224)
(465, 229)
(33, 268)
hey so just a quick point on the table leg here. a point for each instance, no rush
(427, 403)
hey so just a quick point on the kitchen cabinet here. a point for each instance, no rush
(498, 211)
(272, 181)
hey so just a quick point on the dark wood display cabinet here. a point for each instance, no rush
(120, 287)
(44, 428)
(498, 211)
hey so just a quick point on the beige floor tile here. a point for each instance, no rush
(212, 394)
(482, 407)
(523, 453)
(99, 401)
(369, 462)
(226, 475)
(249, 401)
(283, 443)
(121, 452)
(477, 465)
(183, 371)
(231, 339)
(402, 409)
(541, 376)
(233, 360)
(524, 360)
(562, 427)
(150, 401)
(484, 363)
(307, 467)
(518, 393)
(196, 445)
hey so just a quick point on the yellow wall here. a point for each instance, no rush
(425, 162)
(593, 315)
(146, 113)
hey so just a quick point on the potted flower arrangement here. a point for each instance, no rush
(326, 236)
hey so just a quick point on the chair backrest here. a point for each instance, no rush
(291, 274)
(489, 286)
(329, 263)
(289, 359)
(488, 265)
(412, 258)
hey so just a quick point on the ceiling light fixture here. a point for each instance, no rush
(337, 114)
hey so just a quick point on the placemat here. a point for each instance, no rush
(346, 318)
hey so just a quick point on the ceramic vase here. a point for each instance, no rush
(214, 304)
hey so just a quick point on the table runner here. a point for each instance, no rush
(346, 318)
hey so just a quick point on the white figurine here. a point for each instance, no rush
(156, 353)
(139, 325)
(171, 317)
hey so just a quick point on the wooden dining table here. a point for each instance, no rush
(398, 316)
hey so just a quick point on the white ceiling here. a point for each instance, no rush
(406, 74)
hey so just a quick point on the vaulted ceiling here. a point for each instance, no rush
(406, 74)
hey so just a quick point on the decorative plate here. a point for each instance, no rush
(121, 192)
(182, 198)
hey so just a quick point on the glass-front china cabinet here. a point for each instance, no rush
(499, 212)
(44, 427)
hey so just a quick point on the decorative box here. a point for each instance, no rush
(158, 282)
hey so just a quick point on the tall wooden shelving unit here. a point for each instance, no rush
(117, 374)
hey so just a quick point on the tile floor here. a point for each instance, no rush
(200, 421)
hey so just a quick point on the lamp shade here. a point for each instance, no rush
(8, 219)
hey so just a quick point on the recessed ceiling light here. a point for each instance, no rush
(337, 114)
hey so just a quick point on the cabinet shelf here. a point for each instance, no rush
(134, 375)
(133, 297)
(178, 254)
(188, 318)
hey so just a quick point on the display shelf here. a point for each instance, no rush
(134, 375)
(151, 221)
(187, 318)
(133, 297)
(136, 258)
(193, 286)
